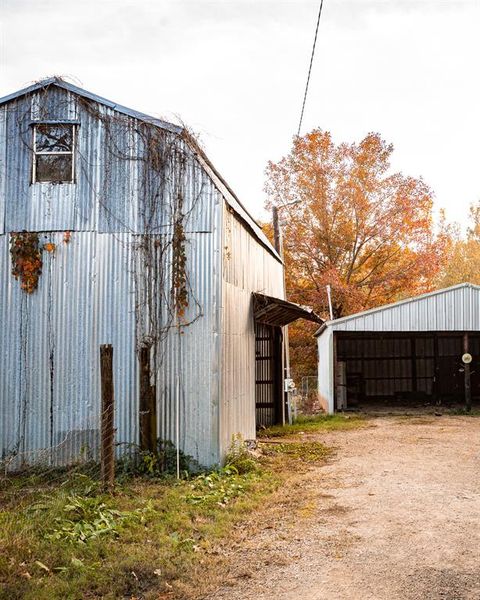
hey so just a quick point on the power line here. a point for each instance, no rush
(310, 67)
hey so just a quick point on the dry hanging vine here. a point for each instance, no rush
(162, 184)
(179, 269)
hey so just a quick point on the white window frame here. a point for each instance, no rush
(43, 152)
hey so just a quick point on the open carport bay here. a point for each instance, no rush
(405, 353)
(404, 368)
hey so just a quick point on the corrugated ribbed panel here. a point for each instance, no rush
(49, 351)
(116, 188)
(325, 370)
(453, 309)
(3, 149)
(88, 292)
(50, 348)
(190, 365)
(247, 267)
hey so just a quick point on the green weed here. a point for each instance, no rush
(312, 424)
(310, 452)
(240, 458)
(83, 519)
(75, 543)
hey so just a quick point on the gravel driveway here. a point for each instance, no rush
(395, 514)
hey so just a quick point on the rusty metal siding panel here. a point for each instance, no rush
(247, 267)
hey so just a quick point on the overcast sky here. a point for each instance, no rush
(235, 72)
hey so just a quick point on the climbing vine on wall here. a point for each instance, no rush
(168, 185)
(157, 207)
(179, 269)
(27, 261)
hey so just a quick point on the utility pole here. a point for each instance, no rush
(278, 243)
(276, 231)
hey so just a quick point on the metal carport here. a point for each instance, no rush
(406, 353)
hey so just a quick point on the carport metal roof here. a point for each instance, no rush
(455, 308)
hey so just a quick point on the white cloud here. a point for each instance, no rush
(235, 71)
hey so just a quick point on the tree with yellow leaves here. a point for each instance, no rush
(463, 263)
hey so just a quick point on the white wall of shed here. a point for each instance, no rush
(326, 371)
(247, 267)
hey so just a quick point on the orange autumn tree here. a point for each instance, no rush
(354, 225)
(463, 264)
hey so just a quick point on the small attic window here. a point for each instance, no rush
(53, 152)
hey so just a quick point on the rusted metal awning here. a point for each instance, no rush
(273, 311)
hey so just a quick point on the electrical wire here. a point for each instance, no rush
(310, 67)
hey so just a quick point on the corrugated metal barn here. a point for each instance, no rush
(405, 353)
(116, 229)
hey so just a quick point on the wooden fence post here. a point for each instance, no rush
(107, 418)
(147, 404)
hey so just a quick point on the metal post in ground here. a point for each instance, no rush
(466, 366)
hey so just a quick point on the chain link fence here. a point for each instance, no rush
(305, 398)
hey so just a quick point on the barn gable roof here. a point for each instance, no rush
(222, 186)
(70, 87)
(362, 321)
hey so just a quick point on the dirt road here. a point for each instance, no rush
(396, 514)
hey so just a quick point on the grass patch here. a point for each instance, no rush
(310, 452)
(312, 424)
(475, 412)
(63, 538)
(72, 542)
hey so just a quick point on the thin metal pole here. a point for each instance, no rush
(177, 395)
(466, 366)
(329, 294)
(276, 229)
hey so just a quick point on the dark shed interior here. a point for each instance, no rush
(398, 368)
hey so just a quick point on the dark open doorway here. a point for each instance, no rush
(268, 374)
(404, 369)
(271, 316)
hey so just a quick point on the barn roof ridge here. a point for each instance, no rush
(390, 305)
(70, 87)
(223, 187)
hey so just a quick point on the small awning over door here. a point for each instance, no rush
(273, 311)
